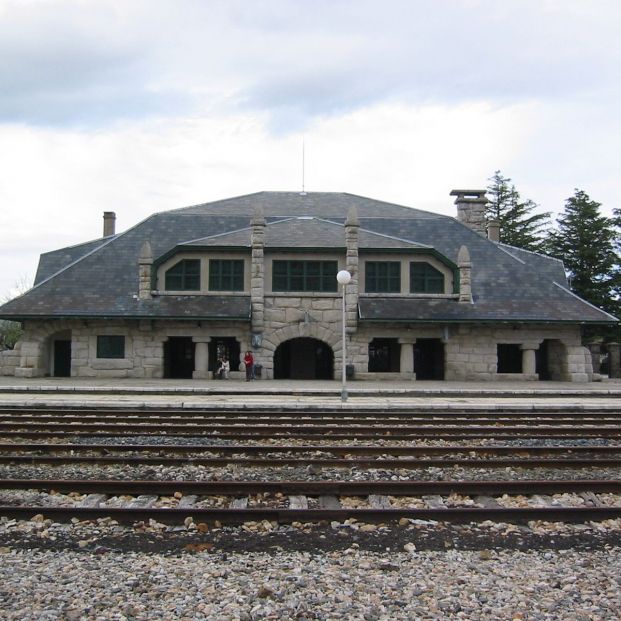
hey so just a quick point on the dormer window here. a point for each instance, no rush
(226, 275)
(184, 276)
(382, 277)
(424, 278)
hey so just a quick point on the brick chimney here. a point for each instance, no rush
(471, 209)
(109, 218)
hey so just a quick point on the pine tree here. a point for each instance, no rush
(585, 242)
(519, 226)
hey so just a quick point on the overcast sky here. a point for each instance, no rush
(138, 106)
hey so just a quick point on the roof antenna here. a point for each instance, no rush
(303, 192)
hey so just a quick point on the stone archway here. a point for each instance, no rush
(313, 331)
(303, 358)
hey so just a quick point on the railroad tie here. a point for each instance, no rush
(329, 502)
(92, 501)
(239, 503)
(142, 502)
(379, 502)
(298, 502)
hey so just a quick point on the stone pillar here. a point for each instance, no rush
(145, 263)
(471, 209)
(352, 230)
(529, 358)
(407, 356)
(465, 277)
(614, 363)
(201, 358)
(595, 349)
(257, 271)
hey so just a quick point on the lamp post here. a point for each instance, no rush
(344, 278)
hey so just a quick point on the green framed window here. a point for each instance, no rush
(304, 276)
(226, 275)
(184, 276)
(109, 346)
(382, 277)
(425, 278)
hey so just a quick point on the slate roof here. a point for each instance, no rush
(303, 232)
(100, 278)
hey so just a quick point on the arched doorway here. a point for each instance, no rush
(304, 358)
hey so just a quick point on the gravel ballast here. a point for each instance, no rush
(350, 584)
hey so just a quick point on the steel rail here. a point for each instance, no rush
(317, 488)
(342, 462)
(428, 419)
(298, 428)
(288, 516)
(457, 434)
(336, 449)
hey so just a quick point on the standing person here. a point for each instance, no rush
(249, 362)
(226, 367)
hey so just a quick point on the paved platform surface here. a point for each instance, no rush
(70, 392)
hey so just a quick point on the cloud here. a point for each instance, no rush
(100, 62)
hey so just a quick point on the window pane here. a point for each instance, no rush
(184, 276)
(304, 275)
(383, 277)
(226, 275)
(110, 347)
(425, 278)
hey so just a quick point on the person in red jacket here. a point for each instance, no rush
(249, 362)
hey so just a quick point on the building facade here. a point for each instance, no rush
(431, 297)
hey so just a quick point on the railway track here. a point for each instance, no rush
(320, 456)
(235, 502)
(99, 439)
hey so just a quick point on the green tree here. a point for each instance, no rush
(585, 241)
(519, 224)
(11, 331)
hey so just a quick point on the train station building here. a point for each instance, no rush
(430, 296)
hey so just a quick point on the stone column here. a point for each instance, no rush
(145, 263)
(529, 358)
(407, 356)
(614, 363)
(465, 278)
(352, 229)
(257, 271)
(201, 358)
(595, 349)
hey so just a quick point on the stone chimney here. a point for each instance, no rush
(493, 230)
(109, 218)
(145, 262)
(471, 209)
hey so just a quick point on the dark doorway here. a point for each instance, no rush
(429, 359)
(509, 358)
(224, 346)
(384, 356)
(179, 357)
(542, 365)
(62, 358)
(303, 358)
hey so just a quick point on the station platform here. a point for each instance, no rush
(77, 392)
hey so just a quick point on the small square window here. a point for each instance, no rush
(111, 346)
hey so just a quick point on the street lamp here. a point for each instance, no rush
(344, 278)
